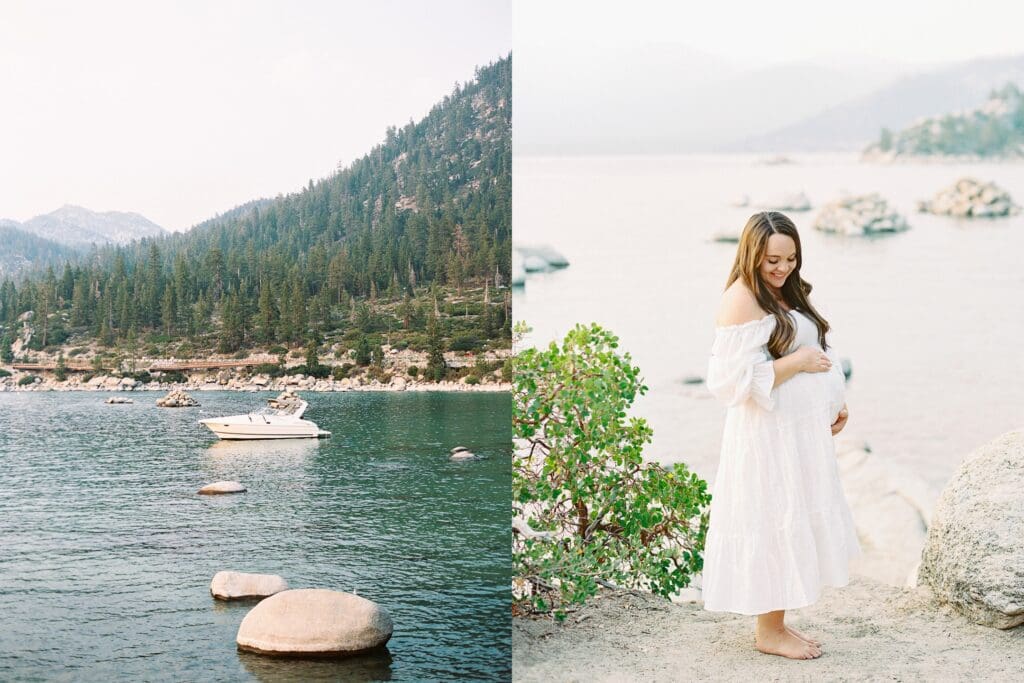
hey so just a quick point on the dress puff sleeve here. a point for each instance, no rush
(740, 367)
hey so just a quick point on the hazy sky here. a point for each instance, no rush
(766, 33)
(182, 110)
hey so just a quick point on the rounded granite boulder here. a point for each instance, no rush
(973, 557)
(221, 487)
(228, 585)
(314, 622)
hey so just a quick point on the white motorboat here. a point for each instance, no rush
(280, 419)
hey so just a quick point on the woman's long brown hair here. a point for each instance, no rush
(749, 254)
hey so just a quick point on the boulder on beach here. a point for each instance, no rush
(177, 399)
(973, 557)
(867, 214)
(227, 585)
(219, 487)
(971, 198)
(314, 621)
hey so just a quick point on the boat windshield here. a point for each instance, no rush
(282, 409)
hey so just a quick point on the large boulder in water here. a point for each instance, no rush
(221, 487)
(314, 622)
(177, 399)
(971, 198)
(240, 585)
(973, 557)
(867, 214)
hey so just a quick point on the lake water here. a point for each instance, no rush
(932, 319)
(107, 551)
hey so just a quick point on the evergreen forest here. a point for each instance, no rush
(409, 245)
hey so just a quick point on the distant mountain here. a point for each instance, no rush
(995, 129)
(658, 99)
(22, 251)
(78, 227)
(851, 126)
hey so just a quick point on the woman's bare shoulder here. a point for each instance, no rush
(738, 306)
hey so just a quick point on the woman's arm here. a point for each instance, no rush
(804, 359)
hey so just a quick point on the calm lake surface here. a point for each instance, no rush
(932, 319)
(107, 551)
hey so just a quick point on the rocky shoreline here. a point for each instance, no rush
(106, 383)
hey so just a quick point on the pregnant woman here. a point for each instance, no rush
(780, 528)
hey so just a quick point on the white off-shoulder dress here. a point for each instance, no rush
(780, 527)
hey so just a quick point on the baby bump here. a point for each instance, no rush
(819, 394)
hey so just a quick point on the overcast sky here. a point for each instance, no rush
(182, 110)
(767, 33)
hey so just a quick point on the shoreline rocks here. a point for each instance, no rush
(860, 215)
(970, 198)
(973, 556)
(314, 622)
(229, 585)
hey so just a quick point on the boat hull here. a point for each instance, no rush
(252, 430)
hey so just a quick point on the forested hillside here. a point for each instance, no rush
(411, 235)
(995, 129)
(20, 251)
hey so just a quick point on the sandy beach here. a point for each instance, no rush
(870, 632)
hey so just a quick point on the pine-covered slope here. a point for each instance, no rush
(423, 217)
(21, 251)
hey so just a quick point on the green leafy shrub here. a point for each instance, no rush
(466, 342)
(317, 371)
(472, 379)
(277, 350)
(174, 377)
(27, 379)
(269, 369)
(413, 371)
(4, 373)
(343, 371)
(588, 509)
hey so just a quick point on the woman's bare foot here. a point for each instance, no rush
(785, 644)
(803, 636)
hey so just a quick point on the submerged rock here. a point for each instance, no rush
(974, 555)
(113, 400)
(314, 621)
(227, 585)
(860, 215)
(970, 198)
(461, 453)
(219, 487)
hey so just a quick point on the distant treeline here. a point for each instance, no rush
(995, 129)
(430, 206)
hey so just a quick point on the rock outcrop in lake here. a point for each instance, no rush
(314, 621)
(177, 399)
(971, 198)
(227, 585)
(973, 557)
(860, 215)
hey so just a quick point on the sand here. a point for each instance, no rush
(870, 632)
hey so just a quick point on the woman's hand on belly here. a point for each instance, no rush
(840, 422)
